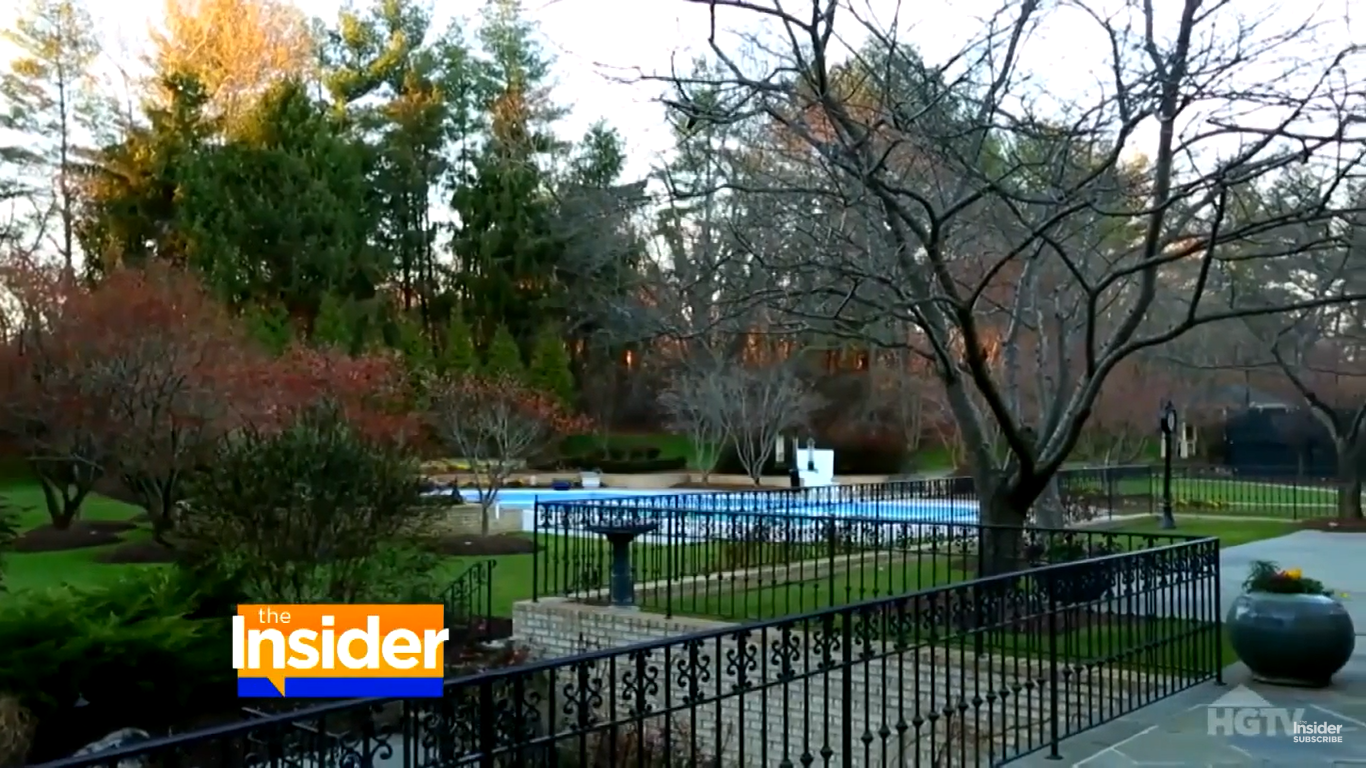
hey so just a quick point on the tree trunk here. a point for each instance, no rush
(64, 490)
(1001, 542)
(1349, 479)
(1349, 496)
(1048, 509)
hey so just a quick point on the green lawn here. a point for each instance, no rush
(1233, 496)
(775, 592)
(1230, 532)
(76, 567)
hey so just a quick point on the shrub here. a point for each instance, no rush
(870, 455)
(641, 466)
(128, 647)
(627, 461)
(9, 530)
(728, 463)
(315, 512)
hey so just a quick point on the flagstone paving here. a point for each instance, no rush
(1243, 723)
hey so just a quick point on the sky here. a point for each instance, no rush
(602, 45)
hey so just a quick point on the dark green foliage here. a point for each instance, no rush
(335, 325)
(135, 647)
(269, 326)
(629, 466)
(853, 456)
(406, 336)
(9, 529)
(504, 357)
(457, 354)
(315, 512)
(549, 371)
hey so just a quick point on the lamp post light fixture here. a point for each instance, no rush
(1169, 448)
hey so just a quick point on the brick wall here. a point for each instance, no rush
(778, 694)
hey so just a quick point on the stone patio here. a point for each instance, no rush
(1243, 723)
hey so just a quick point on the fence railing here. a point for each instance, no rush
(740, 566)
(469, 604)
(1270, 492)
(971, 673)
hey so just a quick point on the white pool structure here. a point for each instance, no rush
(695, 518)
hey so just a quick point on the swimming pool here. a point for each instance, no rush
(523, 501)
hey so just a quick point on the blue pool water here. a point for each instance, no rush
(522, 501)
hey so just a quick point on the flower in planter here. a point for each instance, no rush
(1266, 576)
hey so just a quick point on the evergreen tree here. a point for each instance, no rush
(51, 98)
(504, 357)
(333, 326)
(549, 371)
(458, 356)
(410, 342)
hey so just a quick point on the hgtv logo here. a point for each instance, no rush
(1242, 712)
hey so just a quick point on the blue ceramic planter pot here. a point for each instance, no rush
(1298, 640)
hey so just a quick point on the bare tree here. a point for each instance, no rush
(1314, 354)
(951, 197)
(762, 402)
(496, 425)
(698, 405)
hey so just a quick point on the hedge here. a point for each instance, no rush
(852, 457)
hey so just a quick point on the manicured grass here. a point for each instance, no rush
(1235, 496)
(771, 593)
(1230, 532)
(74, 567)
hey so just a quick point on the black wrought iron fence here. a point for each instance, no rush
(469, 604)
(971, 673)
(741, 566)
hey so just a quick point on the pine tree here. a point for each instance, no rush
(549, 371)
(504, 357)
(458, 356)
(333, 327)
(412, 343)
(54, 102)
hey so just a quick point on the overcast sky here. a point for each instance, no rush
(599, 43)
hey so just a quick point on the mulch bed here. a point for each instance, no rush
(81, 535)
(1335, 525)
(141, 552)
(487, 546)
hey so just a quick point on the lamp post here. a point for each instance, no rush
(1168, 444)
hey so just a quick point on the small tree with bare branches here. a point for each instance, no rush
(760, 404)
(496, 424)
(697, 404)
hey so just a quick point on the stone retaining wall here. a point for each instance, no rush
(466, 520)
(781, 693)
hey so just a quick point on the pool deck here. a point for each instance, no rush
(1188, 729)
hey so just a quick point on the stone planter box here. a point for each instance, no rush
(1300, 640)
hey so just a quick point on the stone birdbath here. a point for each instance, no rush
(622, 589)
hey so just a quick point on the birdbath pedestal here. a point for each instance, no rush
(620, 535)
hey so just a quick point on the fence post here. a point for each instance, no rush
(832, 555)
(535, 551)
(1053, 731)
(847, 692)
(488, 735)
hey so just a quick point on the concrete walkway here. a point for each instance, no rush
(1243, 723)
